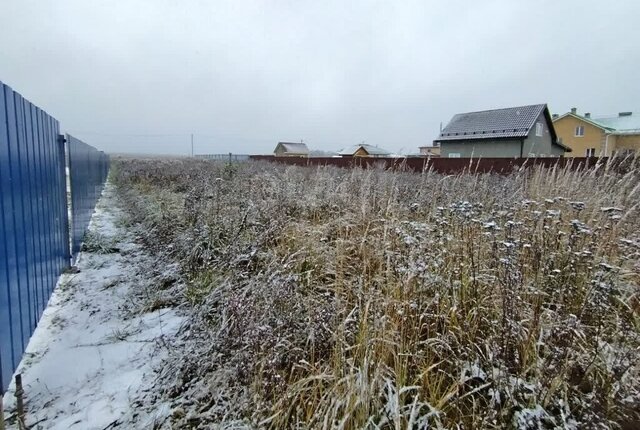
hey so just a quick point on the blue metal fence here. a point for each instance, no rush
(88, 170)
(34, 248)
(34, 221)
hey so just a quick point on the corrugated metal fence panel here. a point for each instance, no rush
(438, 165)
(34, 246)
(88, 170)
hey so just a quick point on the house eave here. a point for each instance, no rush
(624, 133)
(563, 146)
(480, 139)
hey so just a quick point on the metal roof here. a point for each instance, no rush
(371, 150)
(492, 124)
(294, 148)
(625, 124)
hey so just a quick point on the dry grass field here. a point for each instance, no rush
(333, 298)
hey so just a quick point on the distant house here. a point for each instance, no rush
(364, 150)
(290, 149)
(523, 131)
(603, 136)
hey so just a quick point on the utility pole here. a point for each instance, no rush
(191, 145)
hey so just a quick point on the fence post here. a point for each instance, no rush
(20, 402)
(65, 197)
(1, 411)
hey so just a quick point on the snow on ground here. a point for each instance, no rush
(94, 353)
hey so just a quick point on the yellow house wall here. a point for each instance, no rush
(593, 137)
(611, 142)
(631, 142)
(290, 154)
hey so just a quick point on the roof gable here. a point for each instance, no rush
(552, 130)
(581, 118)
(492, 124)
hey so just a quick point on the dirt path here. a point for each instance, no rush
(95, 351)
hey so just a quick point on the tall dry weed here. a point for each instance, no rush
(333, 298)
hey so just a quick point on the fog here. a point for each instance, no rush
(143, 76)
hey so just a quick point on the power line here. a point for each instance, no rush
(93, 133)
(185, 135)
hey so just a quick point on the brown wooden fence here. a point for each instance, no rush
(439, 165)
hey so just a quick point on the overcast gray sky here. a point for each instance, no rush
(141, 76)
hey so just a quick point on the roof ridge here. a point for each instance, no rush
(497, 109)
(616, 115)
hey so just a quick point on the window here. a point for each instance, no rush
(454, 155)
(591, 152)
(580, 131)
(538, 129)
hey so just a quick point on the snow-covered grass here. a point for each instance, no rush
(332, 298)
(95, 352)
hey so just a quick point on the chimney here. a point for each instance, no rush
(574, 110)
(587, 114)
(624, 114)
(554, 116)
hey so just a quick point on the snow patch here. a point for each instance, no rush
(92, 357)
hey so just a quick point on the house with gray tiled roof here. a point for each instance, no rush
(522, 131)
